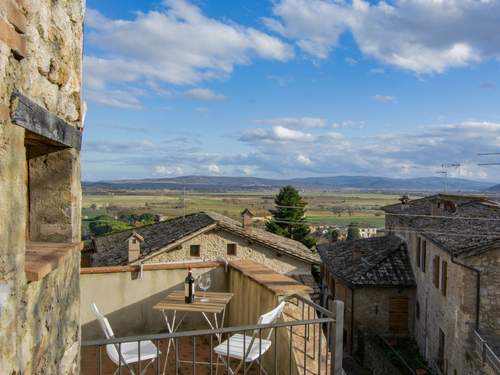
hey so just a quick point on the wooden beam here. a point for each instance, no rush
(38, 120)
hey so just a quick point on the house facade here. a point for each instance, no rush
(41, 117)
(374, 279)
(203, 237)
(454, 247)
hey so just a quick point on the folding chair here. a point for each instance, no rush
(248, 348)
(128, 352)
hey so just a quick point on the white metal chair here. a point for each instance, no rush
(128, 352)
(248, 348)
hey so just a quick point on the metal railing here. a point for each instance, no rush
(325, 357)
(485, 352)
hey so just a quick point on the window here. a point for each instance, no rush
(444, 277)
(417, 310)
(424, 255)
(419, 253)
(194, 250)
(436, 264)
(231, 249)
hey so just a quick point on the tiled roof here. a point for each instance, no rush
(112, 249)
(472, 228)
(373, 262)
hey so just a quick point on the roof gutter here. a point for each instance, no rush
(478, 287)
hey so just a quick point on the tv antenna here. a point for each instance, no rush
(444, 172)
(488, 154)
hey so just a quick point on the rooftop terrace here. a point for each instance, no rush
(127, 296)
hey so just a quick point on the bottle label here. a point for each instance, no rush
(186, 289)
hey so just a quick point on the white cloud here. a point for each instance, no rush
(304, 160)
(424, 36)
(167, 170)
(351, 61)
(349, 124)
(384, 98)
(203, 94)
(176, 44)
(306, 122)
(214, 169)
(377, 71)
(277, 134)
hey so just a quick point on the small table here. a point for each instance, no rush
(215, 304)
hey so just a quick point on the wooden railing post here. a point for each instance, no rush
(338, 350)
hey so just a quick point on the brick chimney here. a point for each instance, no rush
(247, 219)
(134, 246)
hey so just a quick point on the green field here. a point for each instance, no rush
(323, 208)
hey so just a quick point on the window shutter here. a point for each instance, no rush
(424, 255)
(436, 266)
(444, 278)
(419, 254)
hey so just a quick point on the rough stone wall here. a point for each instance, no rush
(454, 313)
(214, 244)
(41, 56)
(489, 266)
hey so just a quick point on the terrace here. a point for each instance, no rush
(306, 339)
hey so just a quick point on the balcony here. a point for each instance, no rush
(127, 296)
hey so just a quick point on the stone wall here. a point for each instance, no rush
(371, 310)
(454, 313)
(41, 56)
(214, 244)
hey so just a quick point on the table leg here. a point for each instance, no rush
(171, 327)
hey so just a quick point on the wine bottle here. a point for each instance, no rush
(189, 287)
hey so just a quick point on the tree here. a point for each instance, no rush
(353, 232)
(288, 218)
(334, 235)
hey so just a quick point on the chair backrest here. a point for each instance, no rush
(270, 316)
(103, 322)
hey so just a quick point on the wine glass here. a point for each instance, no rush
(204, 282)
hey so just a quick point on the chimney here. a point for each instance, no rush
(247, 219)
(356, 255)
(134, 246)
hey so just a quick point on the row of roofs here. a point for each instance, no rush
(112, 249)
(461, 225)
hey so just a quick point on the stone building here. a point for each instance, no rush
(203, 236)
(40, 196)
(374, 279)
(454, 246)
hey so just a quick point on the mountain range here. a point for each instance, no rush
(225, 184)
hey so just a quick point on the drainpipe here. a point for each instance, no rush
(352, 321)
(478, 287)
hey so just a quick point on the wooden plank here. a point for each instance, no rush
(398, 314)
(38, 120)
(150, 267)
(41, 258)
(175, 301)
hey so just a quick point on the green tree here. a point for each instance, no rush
(353, 232)
(334, 235)
(288, 217)
(147, 218)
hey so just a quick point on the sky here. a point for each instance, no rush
(291, 88)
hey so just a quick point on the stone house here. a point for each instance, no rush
(454, 247)
(203, 236)
(374, 279)
(40, 197)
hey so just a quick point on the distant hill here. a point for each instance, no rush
(494, 188)
(225, 184)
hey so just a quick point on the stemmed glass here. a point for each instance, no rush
(204, 282)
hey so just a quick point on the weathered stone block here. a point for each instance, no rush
(12, 38)
(14, 14)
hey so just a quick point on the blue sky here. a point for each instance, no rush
(291, 88)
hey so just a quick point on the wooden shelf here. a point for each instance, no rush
(43, 257)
